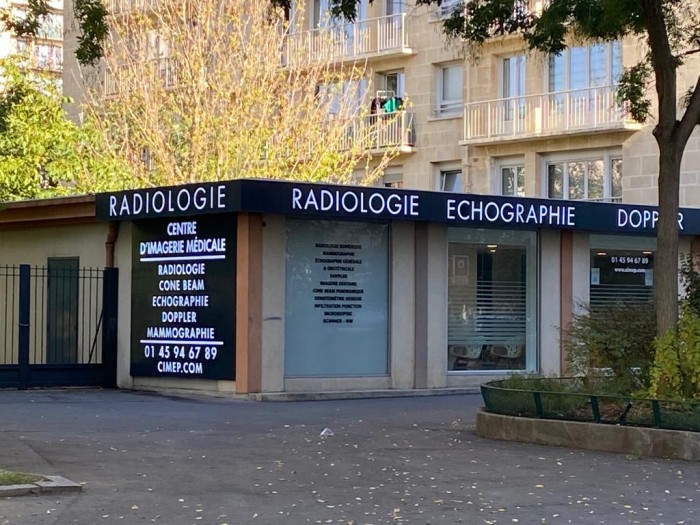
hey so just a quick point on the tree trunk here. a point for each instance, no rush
(666, 263)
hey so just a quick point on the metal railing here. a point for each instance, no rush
(117, 7)
(569, 402)
(381, 131)
(64, 314)
(9, 306)
(165, 70)
(520, 7)
(360, 39)
(544, 114)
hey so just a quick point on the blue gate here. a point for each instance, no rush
(58, 325)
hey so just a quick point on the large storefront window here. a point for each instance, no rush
(336, 299)
(491, 300)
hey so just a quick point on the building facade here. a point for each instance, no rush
(512, 122)
(254, 286)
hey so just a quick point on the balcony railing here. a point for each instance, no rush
(563, 112)
(166, 72)
(380, 132)
(117, 7)
(381, 36)
(520, 8)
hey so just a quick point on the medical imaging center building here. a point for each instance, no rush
(254, 286)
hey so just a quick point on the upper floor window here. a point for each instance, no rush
(392, 82)
(342, 99)
(392, 178)
(513, 180)
(582, 67)
(446, 8)
(597, 178)
(322, 16)
(450, 180)
(512, 76)
(449, 89)
(394, 7)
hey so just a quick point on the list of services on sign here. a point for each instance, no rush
(183, 298)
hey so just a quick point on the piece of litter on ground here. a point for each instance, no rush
(327, 432)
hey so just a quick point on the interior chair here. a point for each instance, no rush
(510, 352)
(465, 353)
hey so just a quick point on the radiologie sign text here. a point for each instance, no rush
(343, 202)
(182, 200)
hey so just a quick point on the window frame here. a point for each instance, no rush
(443, 106)
(612, 77)
(392, 177)
(518, 191)
(400, 81)
(442, 176)
(606, 156)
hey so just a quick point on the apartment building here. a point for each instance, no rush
(511, 122)
(45, 51)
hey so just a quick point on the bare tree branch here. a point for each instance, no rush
(687, 53)
(691, 118)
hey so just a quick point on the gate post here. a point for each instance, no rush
(23, 327)
(110, 303)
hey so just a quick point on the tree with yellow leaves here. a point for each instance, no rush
(200, 90)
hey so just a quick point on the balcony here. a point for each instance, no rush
(572, 112)
(364, 39)
(120, 7)
(521, 8)
(165, 71)
(47, 57)
(379, 133)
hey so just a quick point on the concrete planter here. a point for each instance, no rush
(644, 427)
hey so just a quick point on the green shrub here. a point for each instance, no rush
(676, 371)
(612, 347)
(690, 277)
(533, 382)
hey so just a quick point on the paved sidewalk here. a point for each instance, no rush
(181, 461)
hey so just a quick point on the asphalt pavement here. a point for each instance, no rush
(146, 458)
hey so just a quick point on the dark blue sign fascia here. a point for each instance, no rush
(366, 203)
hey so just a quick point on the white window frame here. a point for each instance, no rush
(448, 107)
(321, 14)
(515, 107)
(509, 165)
(392, 177)
(390, 6)
(444, 10)
(566, 54)
(518, 65)
(607, 156)
(400, 81)
(443, 172)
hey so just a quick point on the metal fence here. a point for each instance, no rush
(9, 309)
(52, 323)
(568, 402)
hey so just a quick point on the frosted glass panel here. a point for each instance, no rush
(336, 299)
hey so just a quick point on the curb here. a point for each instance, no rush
(49, 485)
(360, 394)
(636, 441)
